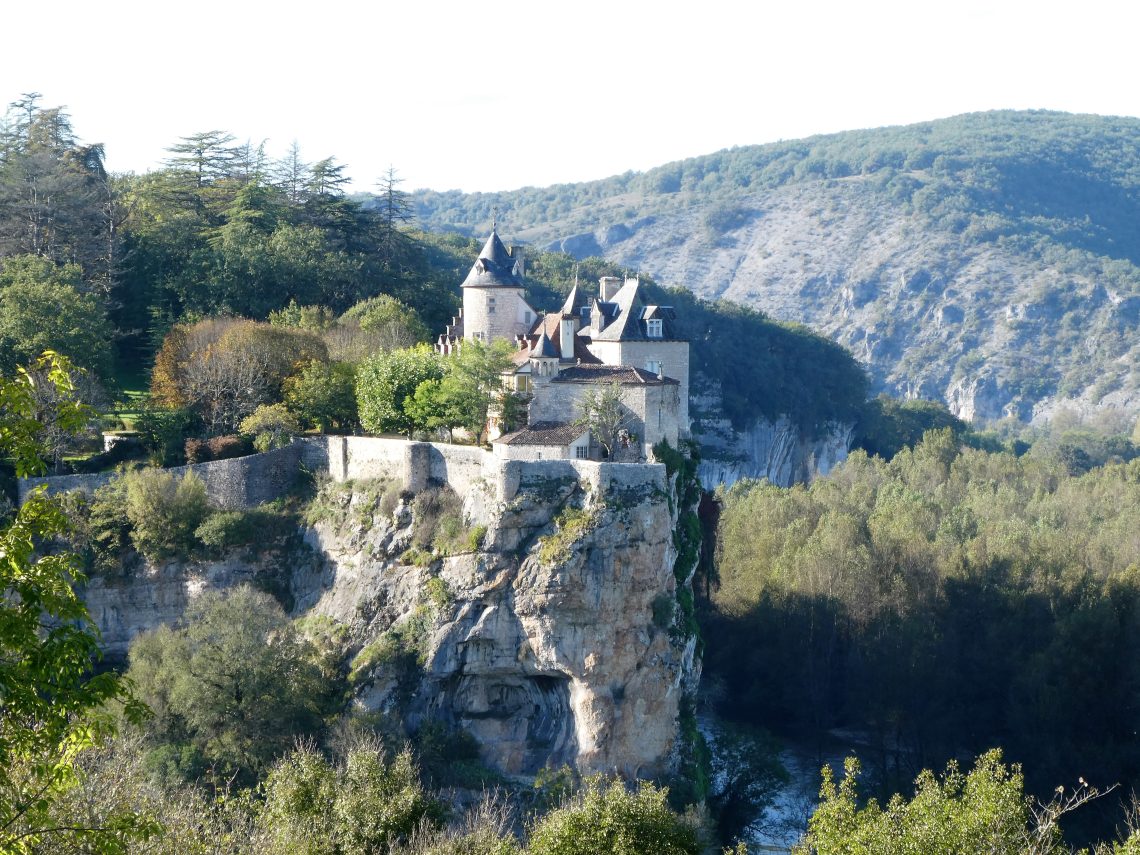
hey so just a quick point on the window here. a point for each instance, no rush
(522, 383)
(490, 305)
(653, 366)
(582, 452)
(527, 315)
(654, 328)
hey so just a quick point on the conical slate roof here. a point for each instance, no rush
(494, 268)
(544, 347)
(571, 304)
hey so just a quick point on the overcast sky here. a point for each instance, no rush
(499, 95)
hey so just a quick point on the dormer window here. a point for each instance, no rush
(654, 328)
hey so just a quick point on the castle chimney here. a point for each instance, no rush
(607, 287)
(566, 338)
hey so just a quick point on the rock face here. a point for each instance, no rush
(552, 637)
(778, 451)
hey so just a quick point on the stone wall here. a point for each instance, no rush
(672, 355)
(239, 482)
(245, 482)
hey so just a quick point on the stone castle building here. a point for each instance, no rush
(613, 339)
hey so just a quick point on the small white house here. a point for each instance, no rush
(545, 441)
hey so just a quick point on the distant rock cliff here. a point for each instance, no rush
(989, 260)
(780, 451)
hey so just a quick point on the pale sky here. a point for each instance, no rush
(500, 95)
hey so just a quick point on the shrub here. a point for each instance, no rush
(271, 426)
(107, 528)
(571, 525)
(165, 512)
(607, 819)
(227, 529)
(437, 593)
(366, 804)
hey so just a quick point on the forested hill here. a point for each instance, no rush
(990, 260)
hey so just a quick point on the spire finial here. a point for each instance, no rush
(495, 219)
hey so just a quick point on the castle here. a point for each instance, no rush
(563, 358)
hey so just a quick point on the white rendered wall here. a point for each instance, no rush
(495, 313)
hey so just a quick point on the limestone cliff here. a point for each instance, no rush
(778, 451)
(551, 631)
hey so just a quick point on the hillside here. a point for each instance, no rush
(988, 260)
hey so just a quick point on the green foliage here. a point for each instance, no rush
(745, 777)
(570, 526)
(235, 681)
(40, 396)
(101, 527)
(224, 530)
(607, 819)
(384, 382)
(43, 307)
(323, 396)
(463, 397)
(52, 710)
(365, 804)
(312, 318)
(983, 811)
(163, 432)
(948, 597)
(888, 425)
(271, 426)
(437, 593)
(164, 512)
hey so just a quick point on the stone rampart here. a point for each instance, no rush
(239, 482)
(243, 482)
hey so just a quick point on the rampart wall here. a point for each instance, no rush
(244, 482)
(239, 482)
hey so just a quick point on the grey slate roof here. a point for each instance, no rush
(570, 306)
(544, 433)
(624, 375)
(544, 347)
(625, 317)
(494, 268)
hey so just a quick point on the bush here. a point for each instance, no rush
(366, 804)
(236, 681)
(102, 527)
(228, 529)
(165, 512)
(271, 426)
(607, 819)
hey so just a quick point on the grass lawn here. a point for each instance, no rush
(133, 387)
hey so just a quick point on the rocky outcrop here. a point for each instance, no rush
(779, 451)
(545, 646)
(551, 632)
